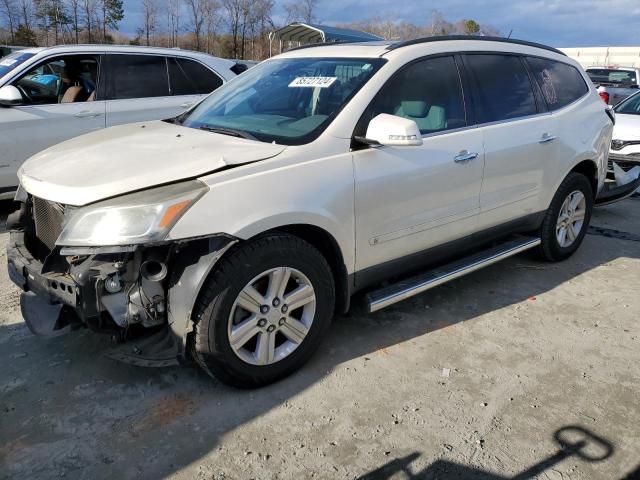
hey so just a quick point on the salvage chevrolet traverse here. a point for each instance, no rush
(233, 233)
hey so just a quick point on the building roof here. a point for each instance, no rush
(314, 33)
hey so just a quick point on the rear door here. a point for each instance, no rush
(138, 89)
(154, 87)
(519, 136)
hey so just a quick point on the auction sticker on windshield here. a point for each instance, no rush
(7, 62)
(320, 82)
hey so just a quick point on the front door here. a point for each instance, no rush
(60, 102)
(408, 199)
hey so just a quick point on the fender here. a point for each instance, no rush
(192, 262)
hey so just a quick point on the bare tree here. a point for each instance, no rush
(236, 12)
(150, 15)
(26, 13)
(75, 8)
(196, 11)
(89, 11)
(9, 10)
(438, 25)
(259, 22)
(211, 23)
(174, 13)
(302, 11)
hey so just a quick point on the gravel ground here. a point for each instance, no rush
(478, 379)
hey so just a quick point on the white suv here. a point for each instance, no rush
(52, 94)
(234, 232)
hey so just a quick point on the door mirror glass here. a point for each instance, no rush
(10, 96)
(388, 129)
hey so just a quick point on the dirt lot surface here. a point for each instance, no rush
(523, 370)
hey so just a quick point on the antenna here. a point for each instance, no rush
(509, 36)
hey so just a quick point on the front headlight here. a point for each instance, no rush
(140, 217)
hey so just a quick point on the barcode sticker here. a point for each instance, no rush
(312, 82)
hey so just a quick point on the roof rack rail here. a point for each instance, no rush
(319, 44)
(444, 38)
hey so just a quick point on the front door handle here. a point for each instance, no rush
(547, 137)
(87, 114)
(465, 156)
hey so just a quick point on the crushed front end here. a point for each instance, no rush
(121, 290)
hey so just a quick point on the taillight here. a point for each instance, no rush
(604, 96)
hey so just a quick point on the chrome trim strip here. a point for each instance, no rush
(381, 299)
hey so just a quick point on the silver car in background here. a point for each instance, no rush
(48, 95)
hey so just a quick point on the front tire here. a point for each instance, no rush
(567, 219)
(263, 311)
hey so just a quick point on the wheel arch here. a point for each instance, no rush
(588, 168)
(329, 247)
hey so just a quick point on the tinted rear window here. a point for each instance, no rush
(189, 77)
(561, 84)
(137, 76)
(612, 75)
(502, 89)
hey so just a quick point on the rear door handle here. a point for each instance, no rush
(87, 114)
(465, 156)
(547, 137)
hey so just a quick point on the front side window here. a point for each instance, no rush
(561, 84)
(12, 61)
(428, 92)
(69, 79)
(630, 106)
(501, 86)
(288, 101)
(136, 76)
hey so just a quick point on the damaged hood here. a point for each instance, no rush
(126, 158)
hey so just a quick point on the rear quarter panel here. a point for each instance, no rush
(584, 133)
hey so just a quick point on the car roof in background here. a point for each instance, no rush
(131, 49)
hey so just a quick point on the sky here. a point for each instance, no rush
(559, 23)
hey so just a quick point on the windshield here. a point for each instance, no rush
(629, 106)
(10, 62)
(287, 101)
(611, 75)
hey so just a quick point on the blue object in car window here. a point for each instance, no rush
(48, 80)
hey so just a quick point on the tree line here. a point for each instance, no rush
(226, 28)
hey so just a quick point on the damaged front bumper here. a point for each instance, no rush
(614, 191)
(143, 295)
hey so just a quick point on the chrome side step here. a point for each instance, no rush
(404, 289)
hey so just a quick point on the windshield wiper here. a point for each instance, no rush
(229, 131)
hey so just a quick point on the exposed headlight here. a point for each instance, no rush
(140, 217)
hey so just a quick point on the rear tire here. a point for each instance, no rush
(567, 218)
(245, 334)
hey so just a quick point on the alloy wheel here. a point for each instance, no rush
(271, 316)
(571, 218)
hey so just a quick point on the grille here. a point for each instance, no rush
(48, 218)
